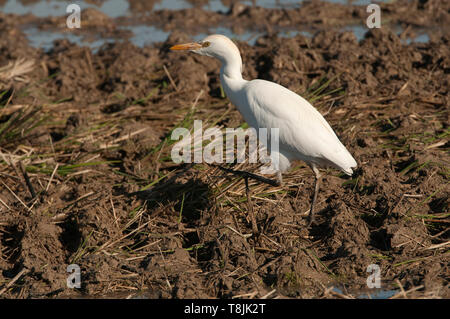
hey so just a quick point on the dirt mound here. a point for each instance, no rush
(86, 176)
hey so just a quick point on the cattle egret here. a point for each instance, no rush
(303, 132)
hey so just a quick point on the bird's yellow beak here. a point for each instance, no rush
(186, 46)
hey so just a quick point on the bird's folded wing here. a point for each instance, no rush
(301, 127)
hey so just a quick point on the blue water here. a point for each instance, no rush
(119, 8)
(375, 294)
(146, 35)
(44, 39)
(47, 8)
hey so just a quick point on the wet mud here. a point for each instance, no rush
(87, 179)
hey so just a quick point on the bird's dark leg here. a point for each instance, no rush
(279, 178)
(249, 175)
(246, 176)
(316, 190)
(250, 207)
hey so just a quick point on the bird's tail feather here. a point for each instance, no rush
(349, 165)
(343, 161)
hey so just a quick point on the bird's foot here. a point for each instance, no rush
(250, 175)
(311, 221)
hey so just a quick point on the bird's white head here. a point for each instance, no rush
(217, 46)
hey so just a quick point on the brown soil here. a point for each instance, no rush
(86, 178)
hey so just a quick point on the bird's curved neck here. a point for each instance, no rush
(232, 82)
(231, 66)
(231, 75)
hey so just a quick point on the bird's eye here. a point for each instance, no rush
(205, 44)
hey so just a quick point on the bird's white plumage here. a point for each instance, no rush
(304, 134)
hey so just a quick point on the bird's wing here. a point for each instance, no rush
(301, 127)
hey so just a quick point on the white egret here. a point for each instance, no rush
(303, 132)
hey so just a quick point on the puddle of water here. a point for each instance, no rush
(375, 294)
(47, 8)
(216, 5)
(358, 30)
(120, 8)
(422, 38)
(361, 30)
(293, 33)
(44, 39)
(358, 2)
(145, 35)
(172, 5)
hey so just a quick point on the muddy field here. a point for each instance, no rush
(86, 176)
